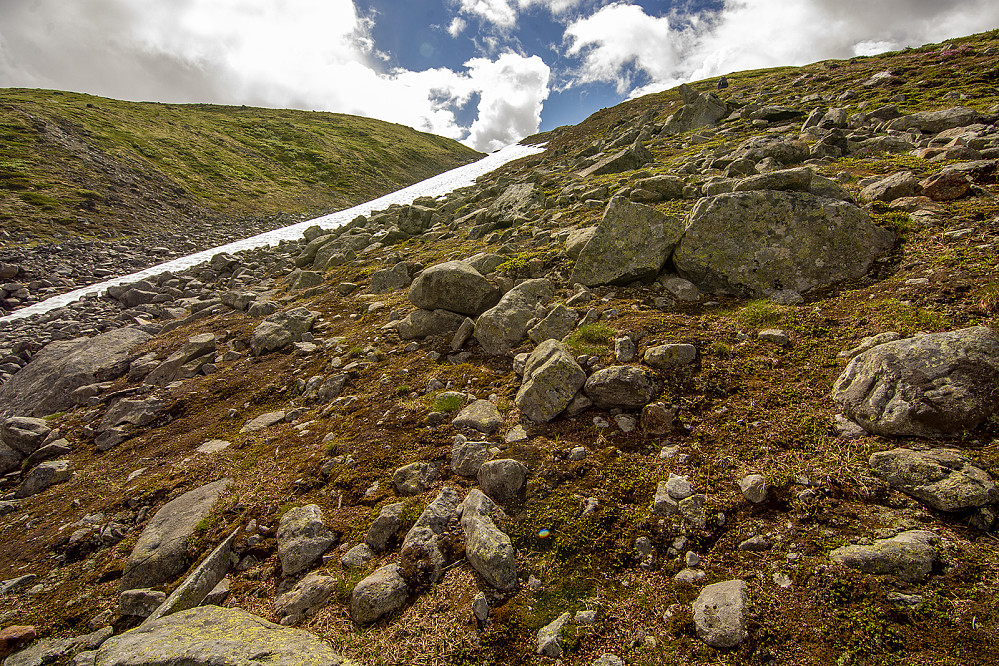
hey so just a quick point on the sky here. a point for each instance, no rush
(484, 72)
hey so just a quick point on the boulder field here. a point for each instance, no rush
(710, 380)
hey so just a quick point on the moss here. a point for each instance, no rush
(590, 339)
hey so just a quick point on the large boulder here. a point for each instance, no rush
(214, 636)
(42, 476)
(632, 242)
(453, 286)
(700, 110)
(756, 243)
(504, 326)
(909, 556)
(552, 377)
(621, 387)
(383, 592)
(942, 479)
(424, 323)
(302, 538)
(935, 121)
(160, 554)
(720, 613)
(281, 329)
(24, 434)
(634, 156)
(516, 202)
(785, 150)
(934, 385)
(44, 385)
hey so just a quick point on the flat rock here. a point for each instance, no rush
(909, 556)
(160, 554)
(934, 385)
(942, 479)
(44, 385)
(214, 636)
(263, 421)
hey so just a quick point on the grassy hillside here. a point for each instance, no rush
(79, 162)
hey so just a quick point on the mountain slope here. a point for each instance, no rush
(85, 164)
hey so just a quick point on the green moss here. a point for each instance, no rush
(906, 318)
(590, 339)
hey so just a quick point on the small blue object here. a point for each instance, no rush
(543, 533)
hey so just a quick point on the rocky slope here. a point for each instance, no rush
(92, 187)
(711, 380)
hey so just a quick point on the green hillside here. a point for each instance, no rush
(74, 162)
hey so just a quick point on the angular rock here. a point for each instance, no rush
(664, 357)
(753, 488)
(555, 326)
(24, 434)
(621, 387)
(936, 385)
(380, 594)
(942, 479)
(137, 412)
(454, 286)
(659, 420)
(281, 329)
(799, 179)
(197, 346)
(552, 377)
(265, 420)
(488, 549)
(502, 480)
(550, 636)
(213, 636)
(160, 554)
(200, 583)
(467, 457)
(481, 415)
(414, 478)
(632, 242)
(302, 538)
(504, 326)
(140, 602)
(720, 614)
(390, 279)
(909, 556)
(424, 323)
(423, 553)
(755, 243)
(306, 597)
(895, 186)
(384, 527)
(357, 557)
(516, 202)
(699, 110)
(632, 157)
(44, 385)
(46, 474)
(935, 121)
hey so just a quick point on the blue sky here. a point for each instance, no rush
(485, 72)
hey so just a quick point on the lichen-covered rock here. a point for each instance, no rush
(422, 551)
(720, 614)
(488, 549)
(632, 242)
(503, 479)
(935, 121)
(700, 110)
(552, 377)
(934, 385)
(504, 326)
(481, 415)
(414, 478)
(214, 636)
(550, 636)
(555, 326)
(621, 387)
(756, 243)
(454, 286)
(384, 527)
(45, 474)
(302, 538)
(306, 597)
(424, 323)
(160, 554)
(664, 357)
(909, 556)
(943, 479)
(281, 329)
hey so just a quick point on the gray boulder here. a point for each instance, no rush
(414, 478)
(664, 357)
(44, 475)
(137, 412)
(935, 121)
(390, 279)
(197, 346)
(160, 554)
(502, 480)
(785, 150)
(632, 242)
(214, 636)
(302, 538)
(305, 598)
(24, 434)
(700, 110)
(934, 385)
(200, 583)
(380, 594)
(577, 240)
(909, 556)
(943, 479)
(281, 329)
(453, 286)
(552, 377)
(633, 157)
(516, 202)
(384, 527)
(720, 614)
(44, 385)
(504, 326)
(422, 549)
(481, 415)
(755, 243)
(558, 323)
(621, 387)
(488, 549)
(467, 457)
(798, 179)
(891, 187)
(550, 636)
(424, 323)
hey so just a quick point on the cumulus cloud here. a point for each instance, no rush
(504, 13)
(312, 54)
(621, 44)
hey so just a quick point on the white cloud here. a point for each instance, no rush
(504, 13)
(312, 54)
(456, 26)
(621, 38)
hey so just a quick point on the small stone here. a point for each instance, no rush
(692, 559)
(480, 607)
(782, 580)
(692, 510)
(678, 487)
(578, 453)
(585, 618)
(776, 336)
(141, 602)
(357, 557)
(690, 576)
(754, 488)
(550, 637)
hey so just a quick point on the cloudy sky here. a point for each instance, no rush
(486, 72)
